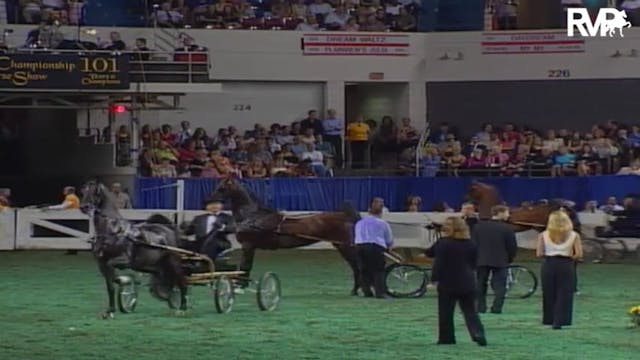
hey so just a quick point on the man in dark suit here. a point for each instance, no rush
(469, 215)
(497, 248)
(211, 230)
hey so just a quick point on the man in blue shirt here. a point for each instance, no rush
(333, 129)
(373, 238)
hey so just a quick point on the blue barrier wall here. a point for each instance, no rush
(306, 194)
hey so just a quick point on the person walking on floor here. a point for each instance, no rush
(372, 238)
(497, 247)
(454, 272)
(560, 246)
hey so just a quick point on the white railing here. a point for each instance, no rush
(420, 148)
(21, 228)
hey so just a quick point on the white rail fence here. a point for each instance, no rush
(71, 229)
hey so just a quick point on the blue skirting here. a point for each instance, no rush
(322, 194)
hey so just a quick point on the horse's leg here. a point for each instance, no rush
(109, 274)
(246, 263)
(348, 253)
(181, 282)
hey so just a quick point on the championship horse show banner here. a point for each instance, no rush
(556, 42)
(68, 72)
(355, 44)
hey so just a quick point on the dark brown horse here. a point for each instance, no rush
(522, 218)
(261, 228)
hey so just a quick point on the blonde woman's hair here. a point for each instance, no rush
(558, 226)
(459, 228)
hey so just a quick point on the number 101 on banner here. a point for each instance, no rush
(99, 65)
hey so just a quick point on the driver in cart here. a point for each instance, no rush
(211, 230)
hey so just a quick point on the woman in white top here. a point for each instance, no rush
(560, 247)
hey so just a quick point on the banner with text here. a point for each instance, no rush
(355, 44)
(556, 42)
(52, 71)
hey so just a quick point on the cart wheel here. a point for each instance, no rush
(615, 249)
(127, 294)
(268, 292)
(406, 281)
(593, 251)
(223, 296)
(521, 282)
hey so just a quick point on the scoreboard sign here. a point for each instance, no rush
(68, 72)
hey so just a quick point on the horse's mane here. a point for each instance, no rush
(159, 219)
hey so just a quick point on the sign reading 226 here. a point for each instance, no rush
(559, 73)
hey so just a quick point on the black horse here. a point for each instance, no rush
(259, 227)
(120, 245)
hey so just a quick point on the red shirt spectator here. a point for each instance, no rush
(188, 152)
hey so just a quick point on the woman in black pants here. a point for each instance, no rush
(454, 271)
(561, 247)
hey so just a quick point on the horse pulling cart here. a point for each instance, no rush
(201, 271)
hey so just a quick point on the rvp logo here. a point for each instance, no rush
(607, 22)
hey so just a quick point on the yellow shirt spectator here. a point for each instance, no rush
(73, 201)
(358, 131)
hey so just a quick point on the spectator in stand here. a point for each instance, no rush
(142, 52)
(408, 136)
(164, 151)
(319, 9)
(611, 206)
(300, 9)
(633, 169)
(497, 160)
(430, 162)
(337, 19)
(413, 203)
(484, 136)
(209, 170)
(591, 207)
(506, 11)
(477, 161)
(189, 46)
(185, 132)
(456, 161)
(312, 122)
(332, 129)
(405, 21)
(188, 152)
(31, 11)
(116, 43)
(121, 198)
(441, 134)
(587, 161)
(168, 17)
(71, 200)
(352, 25)
(280, 9)
(166, 169)
(146, 164)
(358, 138)
(308, 137)
(310, 23)
(317, 160)
(298, 146)
(257, 169)
(325, 147)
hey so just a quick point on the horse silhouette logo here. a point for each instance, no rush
(618, 22)
(609, 22)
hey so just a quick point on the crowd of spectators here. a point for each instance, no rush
(508, 151)
(305, 15)
(310, 147)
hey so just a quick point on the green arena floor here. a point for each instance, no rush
(49, 306)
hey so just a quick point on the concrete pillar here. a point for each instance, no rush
(134, 151)
(334, 97)
(418, 104)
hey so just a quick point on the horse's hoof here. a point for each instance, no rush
(354, 293)
(108, 315)
(180, 313)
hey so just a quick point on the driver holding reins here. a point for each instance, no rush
(211, 230)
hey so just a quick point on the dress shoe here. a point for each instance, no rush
(556, 327)
(480, 340)
(446, 343)
(493, 311)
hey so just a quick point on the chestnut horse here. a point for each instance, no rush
(522, 218)
(259, 227)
